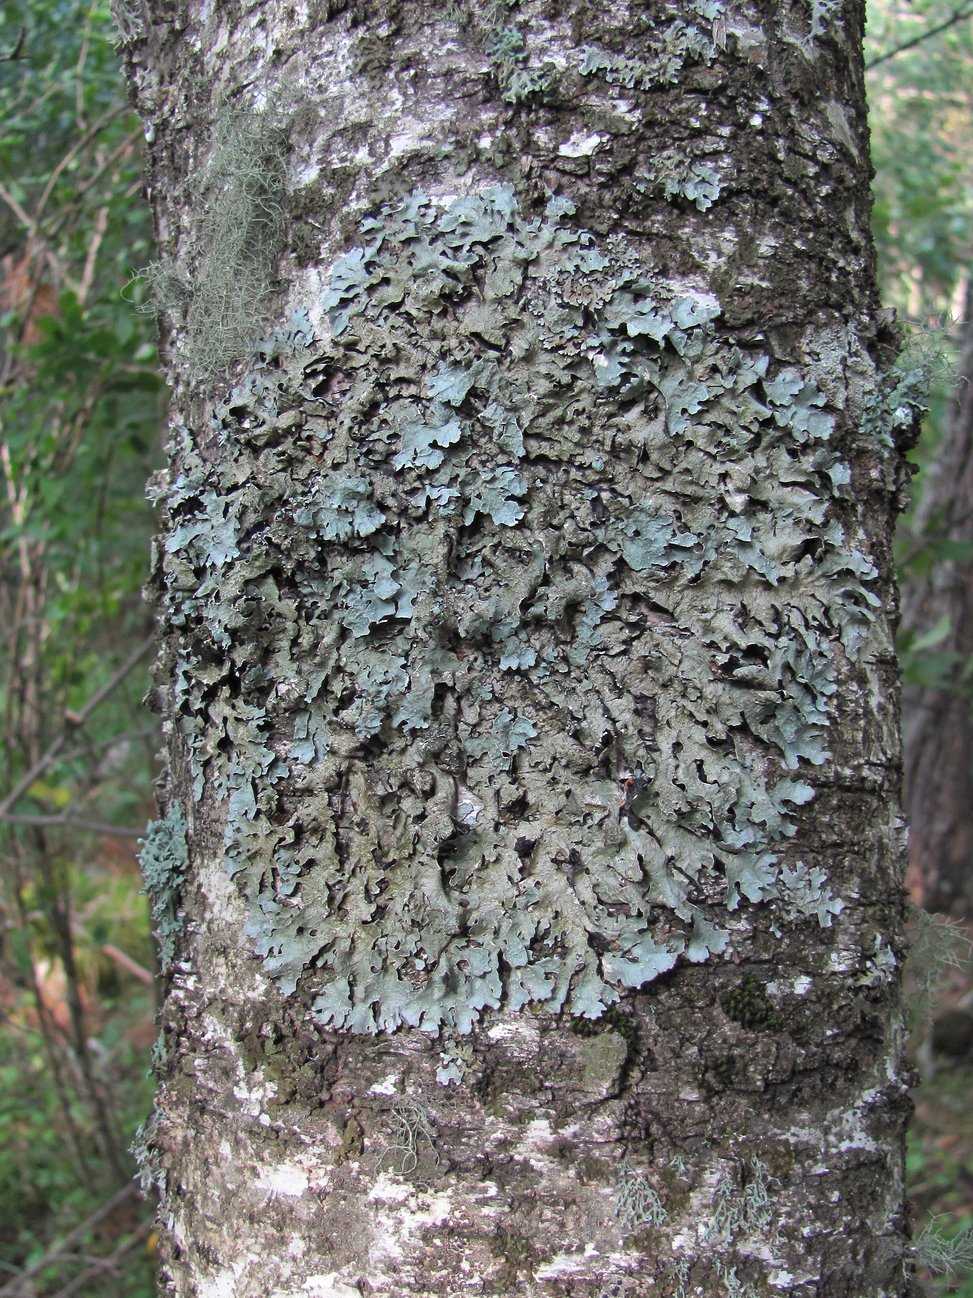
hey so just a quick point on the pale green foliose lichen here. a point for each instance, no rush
(677, 176)
(507, 622)
(902, 403)
(518, 81)
(676, 45)
(128, 20)
(164, 857)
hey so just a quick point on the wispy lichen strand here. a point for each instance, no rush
(508, 623)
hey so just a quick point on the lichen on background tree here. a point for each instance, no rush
(528, 582)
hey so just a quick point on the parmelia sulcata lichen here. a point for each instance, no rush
(164, 858)
(508, 620)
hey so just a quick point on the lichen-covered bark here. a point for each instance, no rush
(527, 664)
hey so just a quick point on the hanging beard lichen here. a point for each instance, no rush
(224, 293)
(508, 622)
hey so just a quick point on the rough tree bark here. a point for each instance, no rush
(528, 882)
(937, 735)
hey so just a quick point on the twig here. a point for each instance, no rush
(69, 822)
(133, 967)
(956, 17)
(16, 49)
(96, 745)
(120, 149)
(106, 1263)
(77, 719)
(16, 208)
(99, 226)
(126, 1192)
(90, 134)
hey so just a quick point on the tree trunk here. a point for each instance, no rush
(529, 883)
(938, 736)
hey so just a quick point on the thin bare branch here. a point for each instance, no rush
(131, 966)
(965, 11)
(123, 147)
(98, 227)
(13, 1287)
(77, 719)
(66, 821)
(16, 49)
(107, 1263)
(81, 143)
(19, 212)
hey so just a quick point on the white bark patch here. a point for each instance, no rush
(580, 145)
(511, 1028)
(468, 807)
(413, 138)
(222, 899)
(839, 123)
(253, 1098)
(623, 109)
(283, 1179)
(390, 1086)
(221, 1285)
(844, 959)
(330, 1285)
(563, 1264)
(538, 1134)
(850, 1124)
(405, 1213)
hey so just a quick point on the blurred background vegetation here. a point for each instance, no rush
(82, 412)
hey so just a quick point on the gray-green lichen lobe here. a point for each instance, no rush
(164, 858)
(509, 621)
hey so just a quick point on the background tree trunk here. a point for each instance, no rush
(529, 878)
(938, 737)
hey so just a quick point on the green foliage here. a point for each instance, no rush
(52, 1172)
(80, 408)
(923, 221)
(921, 387)
(80, 399)
(921, 142)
